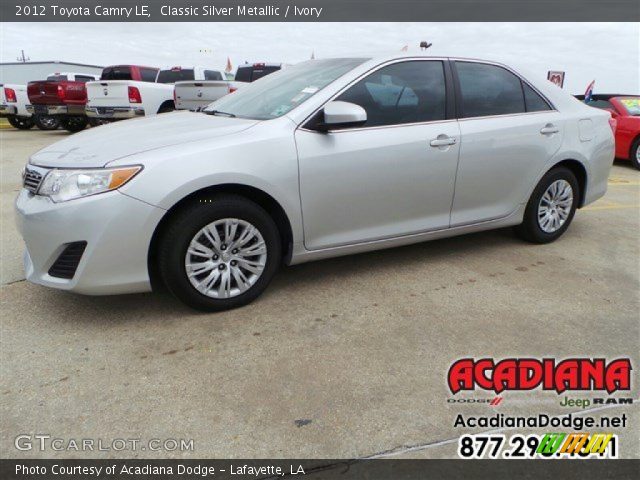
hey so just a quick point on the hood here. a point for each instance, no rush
(100, 145)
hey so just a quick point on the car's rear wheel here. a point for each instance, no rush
(47, 122)
(551, 207)
(21, 123)
(635, 154)
(75, 123)
(219, 253)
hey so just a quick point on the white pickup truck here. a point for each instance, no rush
(120, 99)
(14, 101)
(190, 95)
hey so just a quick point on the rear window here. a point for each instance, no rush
(84, 78)
(116, 73)
(604, 104)
(632, 105)
(175, 75)
(251, 73)
(148, 74)
(212, 75)
(57, 78)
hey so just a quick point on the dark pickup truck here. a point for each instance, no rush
(62, 95)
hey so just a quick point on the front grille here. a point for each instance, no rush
(67, 263)
(32, 180)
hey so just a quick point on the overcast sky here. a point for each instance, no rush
(608, 53)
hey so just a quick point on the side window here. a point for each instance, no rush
(407, 92)
(148, 74)
(489, 90)
(533, 101)
(212, 75)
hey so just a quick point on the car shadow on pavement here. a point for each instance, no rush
(160, 307)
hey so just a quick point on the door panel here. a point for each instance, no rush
(500, 157)
(368, 184)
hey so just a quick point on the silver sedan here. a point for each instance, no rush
(325, 158)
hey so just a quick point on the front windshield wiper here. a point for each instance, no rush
(218, 112)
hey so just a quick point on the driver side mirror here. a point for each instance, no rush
(339, 114)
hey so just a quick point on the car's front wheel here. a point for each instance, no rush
(551, 207)
(219, 253)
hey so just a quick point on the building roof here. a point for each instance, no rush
(52, 61)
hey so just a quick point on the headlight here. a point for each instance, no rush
(63, 185)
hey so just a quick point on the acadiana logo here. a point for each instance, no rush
(530, 373)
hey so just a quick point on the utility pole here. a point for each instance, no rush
(22, 58)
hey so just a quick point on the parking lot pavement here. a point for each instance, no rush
(340, 358)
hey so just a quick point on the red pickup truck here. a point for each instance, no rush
(62, 95)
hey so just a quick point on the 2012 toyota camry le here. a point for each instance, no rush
(325, 158)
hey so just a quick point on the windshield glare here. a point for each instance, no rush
(632, 104)
(274, 95)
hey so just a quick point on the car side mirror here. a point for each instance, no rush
(339, 114)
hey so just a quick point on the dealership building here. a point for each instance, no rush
(23, 72)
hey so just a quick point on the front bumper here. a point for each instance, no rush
(7, 110)
(116, 113)
(56, 109)
(116, 227)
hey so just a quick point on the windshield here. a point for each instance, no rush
(632, 105)
(274, 95)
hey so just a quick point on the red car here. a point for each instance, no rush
(625, 109)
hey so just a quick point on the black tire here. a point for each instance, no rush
(166, 108)
(633, 155)
(75, 123)
(530, 229)
(21, 123)
(96, 122)
(47, 122)
(175, 241)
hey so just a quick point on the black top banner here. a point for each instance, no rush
(320, 11)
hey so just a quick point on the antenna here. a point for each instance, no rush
(22, 58)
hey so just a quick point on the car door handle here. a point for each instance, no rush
(442, 141)
(549, 129)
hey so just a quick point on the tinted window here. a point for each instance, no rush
(57, 78)
(212, 75)
(407, 92)
(604, 104)
(84, 79)
(116, 73)
(148, 74)
(533, 101)
(489, 90)
(175, 75)
(251, 73)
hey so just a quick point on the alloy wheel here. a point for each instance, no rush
(225, 258)
(555, 206)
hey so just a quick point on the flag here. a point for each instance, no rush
(405, 48)
(589, 92)
(229, 67)
(313, 55)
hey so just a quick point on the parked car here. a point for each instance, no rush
(13, 106)
(189, 95)
(325, 158)
(625, 109)
(62, 95)
(121, 99)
